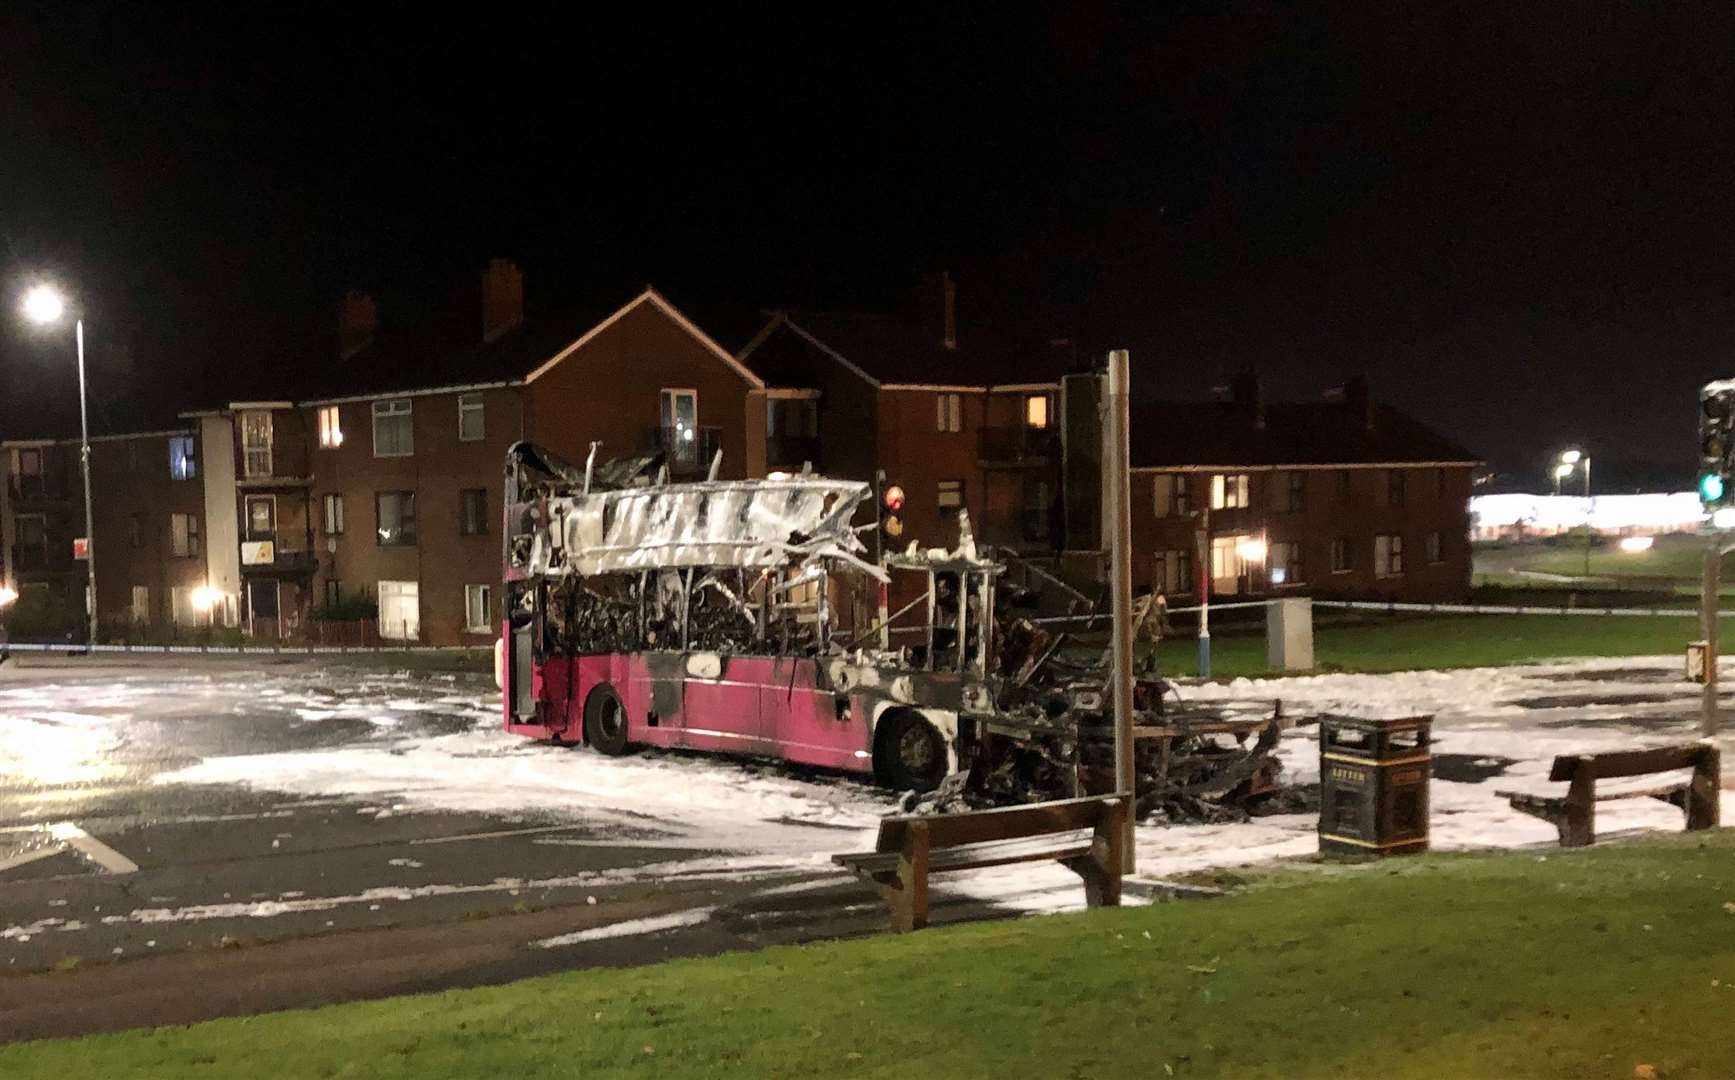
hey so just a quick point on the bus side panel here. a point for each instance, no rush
(635, 683)
(802, 717)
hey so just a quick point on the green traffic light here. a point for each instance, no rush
(1710, 488)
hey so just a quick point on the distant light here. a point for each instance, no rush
(7, 595)
(205, 598)
(1710, 487)
(1637, 543)
(44, 304)
(1279, 575)
(1570, 457)
(686, 434)
(1251, 550)
(1724, 518)
(1563, 471)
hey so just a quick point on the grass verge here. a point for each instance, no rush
(1580, 964)
(1404, 643)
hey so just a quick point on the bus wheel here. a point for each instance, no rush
(605, 721)
(912, 753)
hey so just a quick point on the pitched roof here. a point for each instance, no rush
(1180, 434)
(891, 351)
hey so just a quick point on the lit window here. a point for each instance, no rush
(949, 413)
(330, 427)
(183, 461)
(478, 608)
(471, 422)
(261, 517)
(393, 432)
(1286, 568)
(1036, 411)
(1229, 492)
(256, 444)
(184, 536)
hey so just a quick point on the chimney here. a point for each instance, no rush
(356, 323)
(949, 302)
(1356, 399)
(1244, 392)
(502, 298)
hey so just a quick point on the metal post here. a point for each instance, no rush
(84, 459)
(1708, 718)
(1204, 544)
(1587, 515)
(1115, 466)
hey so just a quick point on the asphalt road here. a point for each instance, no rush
(128, 900)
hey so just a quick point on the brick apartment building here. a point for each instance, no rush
(1345, 498)
(376, 474)
(149, 530)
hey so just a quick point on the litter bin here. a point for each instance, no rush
(1373, 784)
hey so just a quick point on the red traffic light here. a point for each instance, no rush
(894, 498)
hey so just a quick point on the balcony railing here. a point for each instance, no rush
(688, 450)
(791, 451)
(1017, 445)
(34, 489)
(265, 557)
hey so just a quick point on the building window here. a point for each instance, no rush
(184, 536)
(1340, 555)
(1036, 509)
(1343, 485)
(333, 593)
(1172, 572)
(394, 434)
(333, 514)
(30, 540)
(949, 413)
(28, 461)
(1291, 491)
(183, 459)
(400, 610)
(478, 609)
(792, 418)
(330, 427)
(1440, 483)
(472, 425)
(1229, 492)
(261, 517)
(1036, 412)
(473, 512)
(1169, 495)
(256, 444)
(951, 496)
(395, 515)
(1432, 547)
(141, 605)
(136, 530)
(1286, 565)
(1395, 487)
(1388, 555)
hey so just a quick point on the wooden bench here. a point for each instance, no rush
(1574, 814)
(1084, 835)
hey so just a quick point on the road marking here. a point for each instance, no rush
(495, 835)
(91, 848)
(630, 928)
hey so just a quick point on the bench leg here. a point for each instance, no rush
(910, 901)
(1704, 796)
(1578, 826)
(1101, 869)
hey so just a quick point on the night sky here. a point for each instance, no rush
(1518, 220)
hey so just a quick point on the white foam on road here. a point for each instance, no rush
(630, 928)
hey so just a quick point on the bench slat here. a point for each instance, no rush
(980, 826)
(972, 856)
(1628, 762)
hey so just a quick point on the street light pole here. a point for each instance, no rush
(1587, 515)
(84, 462)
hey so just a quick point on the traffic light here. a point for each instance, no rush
(891, 511)
(1717, 444)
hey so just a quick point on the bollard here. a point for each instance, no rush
(1289, 634)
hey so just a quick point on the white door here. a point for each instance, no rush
(400, 610)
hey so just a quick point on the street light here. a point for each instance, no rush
(1564, 464)
(44, 304)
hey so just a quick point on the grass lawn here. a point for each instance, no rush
(1401, 643)
(1557, 964)
(1670, 556)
